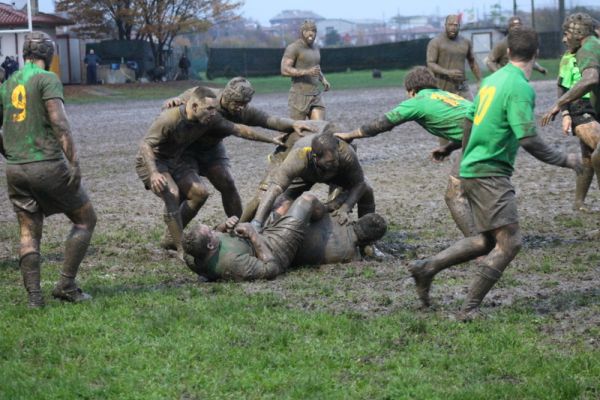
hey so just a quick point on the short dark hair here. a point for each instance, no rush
(523, 44)
(419, 78)
(324, 142)
(195, 244)
(369, 228)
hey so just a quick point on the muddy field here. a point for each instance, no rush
(556, 273)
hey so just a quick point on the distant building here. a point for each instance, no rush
(11, 18)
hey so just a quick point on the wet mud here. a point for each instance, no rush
(556, 274)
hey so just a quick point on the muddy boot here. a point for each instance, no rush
(423, 277)
(485, 279)
(582, 185)
(30, 269)
(75, 249)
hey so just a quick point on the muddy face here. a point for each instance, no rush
(327, 162)
(452, 27)
(572, 41)
(309, 36)
(234, 107)
(201, 110)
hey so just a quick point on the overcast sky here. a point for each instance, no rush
(263, 10)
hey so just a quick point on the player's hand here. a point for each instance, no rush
(279, 140)
(567, 124)
(172, 103)
(574, 162)
(550, 115)
(301, 127)
(341, 215)
(440, 154)
(158, 183)
(456, 75)
(543, 70)
(326, 85)
(74, 175)
(244, 230)
(314, 71)
(231, 223)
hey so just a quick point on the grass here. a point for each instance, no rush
(194, 342)
(272, 84)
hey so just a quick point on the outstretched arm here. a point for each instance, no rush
(369, 129)
(62, 132)
(589, 78)
(245, 132)
(535, 146)
(266, 204)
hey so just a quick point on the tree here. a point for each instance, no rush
(332, 38)
(157, 21)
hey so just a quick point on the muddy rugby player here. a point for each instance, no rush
(42, 169)
(503, 120)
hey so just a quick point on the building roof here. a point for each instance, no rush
(11, 18)
(290, 16)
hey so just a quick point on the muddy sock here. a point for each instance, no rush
(75, 248)
(173, 221)
(187, 213)
(582, 184)
(485, 279)
(30, 269)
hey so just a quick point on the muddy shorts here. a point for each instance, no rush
(200, 161)
(284, 238)
(492, 201)
(162, 166)
(300, 104)
(582, 112)
(42, 187)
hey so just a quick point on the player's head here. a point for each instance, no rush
(419, 78)
(308, 31)
(514, 22)
(369, 228)
(38, 46)
(577, 27)
(325, 152)
(199, 241)
(236, 95)
(201, 105)
(522, 44)
(452, 26)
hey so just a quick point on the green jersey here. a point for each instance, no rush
(28, 135)
(441, 113)
(234, 256)
(588, 56)
(569, 73)
(502, 115)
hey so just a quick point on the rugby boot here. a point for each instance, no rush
(30, 270)
(485, 279)
(71, 294)
(423, 278)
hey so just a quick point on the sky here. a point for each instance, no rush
(263, 10)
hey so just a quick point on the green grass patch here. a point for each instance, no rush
(214, 341)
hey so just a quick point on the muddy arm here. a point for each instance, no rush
(266, 204)
(245, 132)
(369, 129)
(61, 128)
(288, 69)
(473, 64)
(258, 243)
(535, 146)
(589, 78)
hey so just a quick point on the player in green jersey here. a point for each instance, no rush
(577, 118)
(442, 114)
(581, 41)
(503, 120)
(42, 171)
